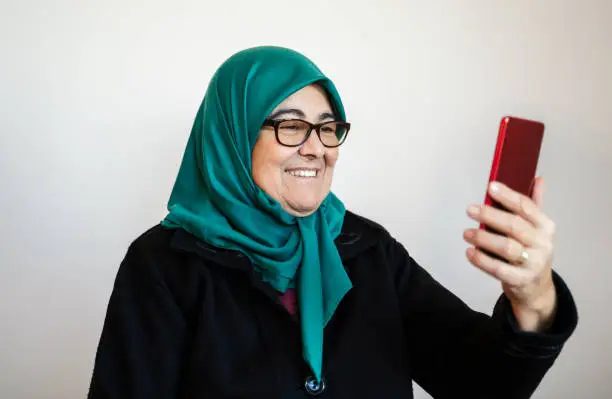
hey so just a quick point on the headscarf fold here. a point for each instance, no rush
(215, 198)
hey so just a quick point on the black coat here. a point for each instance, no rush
(188, 320)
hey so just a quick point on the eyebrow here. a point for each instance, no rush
(299, 113)
(326, 115)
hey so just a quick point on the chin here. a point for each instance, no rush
(302, 208)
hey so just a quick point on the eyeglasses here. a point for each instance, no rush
(295, 132)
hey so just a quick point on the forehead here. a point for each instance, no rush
(310, 97)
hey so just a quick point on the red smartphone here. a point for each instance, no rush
(516, 156)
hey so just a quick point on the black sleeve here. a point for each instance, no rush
(143, 336)
(456, 352)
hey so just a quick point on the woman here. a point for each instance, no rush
(259, 284)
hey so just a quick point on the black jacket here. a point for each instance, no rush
(188, 320)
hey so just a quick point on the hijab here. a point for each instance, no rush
(215, 198)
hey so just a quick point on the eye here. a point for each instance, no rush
(292, 128)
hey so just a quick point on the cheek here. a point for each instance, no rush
(268, 161)
(277, 160)
(331, 157)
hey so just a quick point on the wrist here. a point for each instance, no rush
(539, 314)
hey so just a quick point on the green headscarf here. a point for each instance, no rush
(216, 199)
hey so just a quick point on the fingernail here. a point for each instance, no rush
(468, 234)
(473, 210)
(494, 187)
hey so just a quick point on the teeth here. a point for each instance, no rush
(303, 173)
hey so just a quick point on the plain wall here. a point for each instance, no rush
(97, 99)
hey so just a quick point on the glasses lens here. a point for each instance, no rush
(333, 133)
(292, 132)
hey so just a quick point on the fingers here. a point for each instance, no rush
(506, 223)
(522, 205)
(515, 276)
(520, 229)
(511, 275)
(505, 247)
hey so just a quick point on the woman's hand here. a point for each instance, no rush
(526, 273)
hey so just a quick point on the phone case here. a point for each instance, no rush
(516, 156)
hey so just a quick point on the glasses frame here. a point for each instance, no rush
(316, 127)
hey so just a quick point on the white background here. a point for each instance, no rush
(97, 99)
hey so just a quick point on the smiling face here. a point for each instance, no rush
(299, 178)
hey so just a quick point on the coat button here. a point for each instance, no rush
(314, 387)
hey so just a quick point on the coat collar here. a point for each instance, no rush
(357, 235)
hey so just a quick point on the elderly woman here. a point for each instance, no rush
(259, 284)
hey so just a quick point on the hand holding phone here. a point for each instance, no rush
(520, 254)
(515, 159)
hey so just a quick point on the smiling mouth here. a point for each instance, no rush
(308, 173)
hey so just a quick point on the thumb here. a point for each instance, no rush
(537, 194)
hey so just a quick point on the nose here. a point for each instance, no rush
(312, 147)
